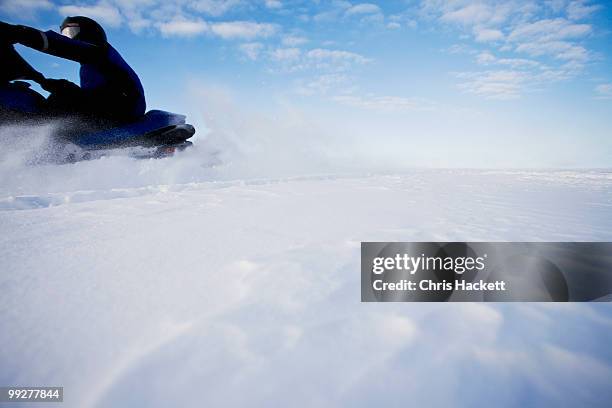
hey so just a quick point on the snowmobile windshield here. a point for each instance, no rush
(71, 31)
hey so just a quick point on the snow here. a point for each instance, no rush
(246, 292)
(186, 282)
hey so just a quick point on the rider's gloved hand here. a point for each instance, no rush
(59, 86)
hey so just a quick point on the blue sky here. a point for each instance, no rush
(466, 82)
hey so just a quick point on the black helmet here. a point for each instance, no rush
(83, 29)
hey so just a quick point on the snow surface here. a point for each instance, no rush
(178, 282)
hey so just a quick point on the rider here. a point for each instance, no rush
(109, 89)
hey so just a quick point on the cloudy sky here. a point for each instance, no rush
(464, 82)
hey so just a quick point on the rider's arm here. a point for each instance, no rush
(56, 44)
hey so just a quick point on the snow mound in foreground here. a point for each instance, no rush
(246, 293)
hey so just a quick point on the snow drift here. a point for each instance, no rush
(229, 276)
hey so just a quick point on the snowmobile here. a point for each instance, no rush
(156, 134)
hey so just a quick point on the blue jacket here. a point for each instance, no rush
(104, 74)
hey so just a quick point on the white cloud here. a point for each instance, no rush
(24, 8)
(577, 10)
(322, 84)
(212, 7)
(604, 91)
(397, 20)
(549, 30)
(528, 33)
(384, 103)
(273, 4)
(521, 76)
(575, 53)
(292, 40)
(473, 13)
(322, 54)
(332, 14)
(559, 49)
(482, 34)
(487, 58)
(497, 84)
(286, 54)
(489, 21)
(293, 59)
(251, 50)
(555, 37)
(181, 27)
(138, 16)
(367, 13)
(519, 63)
(181, 18)
(103, 12)
(364, 8)
(459, 49)
(242, 29)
